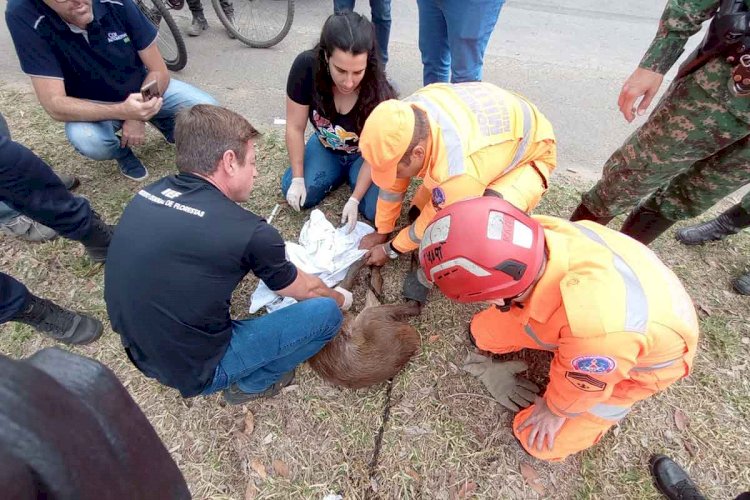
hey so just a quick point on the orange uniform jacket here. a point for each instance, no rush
(481, 137)
(619, 321)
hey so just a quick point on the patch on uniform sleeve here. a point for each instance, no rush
(585, 382)
(438, 198)
(593, 364)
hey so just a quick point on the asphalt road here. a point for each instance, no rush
(569, 59)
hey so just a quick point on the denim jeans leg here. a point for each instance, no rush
(433, 42)
(97, 140)
(263, 349)
(368, 203)
(13, 297)
(179, 95)
(6, 211)
(381, 18)
(340, 6)
(323, 173)
(470, 26)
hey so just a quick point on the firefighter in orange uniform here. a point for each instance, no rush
(463, 140)
(620, 323)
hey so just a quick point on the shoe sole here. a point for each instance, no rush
(245, 397)
(137, 179)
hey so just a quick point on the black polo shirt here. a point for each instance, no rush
(103, 65)
(177, 254)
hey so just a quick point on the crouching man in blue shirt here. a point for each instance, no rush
(183, 245)
(88, 60)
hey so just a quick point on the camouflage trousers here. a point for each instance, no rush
(690, 154)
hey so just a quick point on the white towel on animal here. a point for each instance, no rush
(323, 250)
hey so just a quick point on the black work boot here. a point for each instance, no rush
(583, 213)
(236, 396)
(198, 26)
(645, 224)
(742, 284)
(98, 238)
(60, 324)
(730, 222)
(672, 480)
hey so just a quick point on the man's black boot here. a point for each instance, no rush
(98, 238)
(742, 284)
(730, 222)
(672, 480)
(60, 324)
(583, 213)
(645, 224)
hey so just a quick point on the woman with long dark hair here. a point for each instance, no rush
(335, 86)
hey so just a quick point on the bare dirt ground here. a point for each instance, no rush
(434, 432)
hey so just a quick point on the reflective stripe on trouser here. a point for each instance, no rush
(576, 434)
(495, 331)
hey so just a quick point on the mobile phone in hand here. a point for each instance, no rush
(150, 90)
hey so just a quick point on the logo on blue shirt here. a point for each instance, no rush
(113, 36)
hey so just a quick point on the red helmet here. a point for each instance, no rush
(482, 249)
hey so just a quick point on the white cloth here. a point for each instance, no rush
(323, 250)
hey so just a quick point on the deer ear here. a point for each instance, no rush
(371, 299)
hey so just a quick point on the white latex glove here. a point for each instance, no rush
(501, 381)
(297, 193)
(349, 214)
(348, 299)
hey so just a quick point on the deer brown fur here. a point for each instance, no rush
(371, 347)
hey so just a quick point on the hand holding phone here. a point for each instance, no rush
(150, 90)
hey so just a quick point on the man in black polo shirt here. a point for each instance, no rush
(88, 60)
(180, 249)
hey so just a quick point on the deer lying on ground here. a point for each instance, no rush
(371, 347)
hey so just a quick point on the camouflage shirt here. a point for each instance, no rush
(682, 19)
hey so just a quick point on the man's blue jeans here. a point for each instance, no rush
(380, 11)
(325, 171)
(263, 349)
(453, 36)
(98, 140)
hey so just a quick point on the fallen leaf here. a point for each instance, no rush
(376, 281)
(249, 423)
(251, 491)
(532, 477)
(691, 448)
(412, 474)
(374, 485)
(434, 338)
(467, 490)
(259, 468)
(704, 310)
(681, 420)
(281, 468)
(269, 438)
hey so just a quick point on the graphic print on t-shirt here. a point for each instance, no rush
(336, 138)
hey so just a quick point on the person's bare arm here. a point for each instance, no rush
(61, 107)
(157, 70)
(296, 121)
(307, 286)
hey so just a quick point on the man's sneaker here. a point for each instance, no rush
(230, 18)
(98, 238)
(27, 229)
(69, 181)
(236, 396)
(60, 324)
(132, 168)
(198, 26)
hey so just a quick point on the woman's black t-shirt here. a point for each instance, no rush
(338, 133)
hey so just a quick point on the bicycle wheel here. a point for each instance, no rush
(258, 23)
(169, 39)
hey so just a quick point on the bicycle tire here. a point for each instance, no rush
(178, 60)
(258, 42)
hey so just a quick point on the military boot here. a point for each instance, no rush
(672, 480)
(645, 224)
(60, 324)
(583, 213)
(742, 284)
(198, 26)
(98, 238)
(730, 222)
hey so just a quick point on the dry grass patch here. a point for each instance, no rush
(445, 437)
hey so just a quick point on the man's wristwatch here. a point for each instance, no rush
(391, 252)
